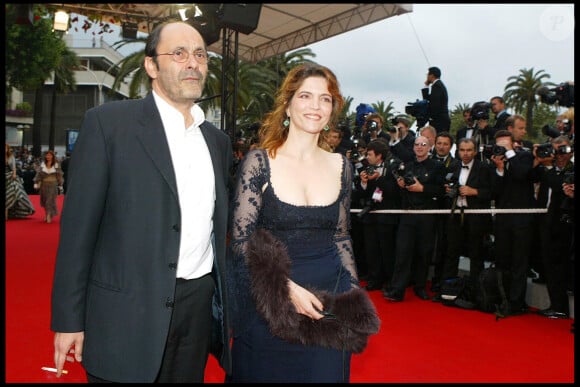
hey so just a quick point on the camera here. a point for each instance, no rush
(545, 150)
(480, 110)
(370, 170)
(563, 94)
(489, 150)
(372, 126)
(420, 110)
(355, 155)
(564, 150)
(454, 189)
(398, 168)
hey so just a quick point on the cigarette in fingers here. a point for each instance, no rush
(50, 369)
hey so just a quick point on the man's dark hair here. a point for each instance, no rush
(447, 135)
(503, 133)
(379, 147)
(435, 72)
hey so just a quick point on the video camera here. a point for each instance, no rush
(480, 110)
(553, 132)
(420, 110)
(563, 94)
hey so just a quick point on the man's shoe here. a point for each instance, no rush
(551, 313)
(421, 293)
(393, 295)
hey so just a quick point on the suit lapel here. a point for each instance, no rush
(152, 136)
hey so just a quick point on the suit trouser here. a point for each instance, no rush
(470, 232)
(556, 241)
(187, 347)
(513, 237)
(380, 251)
(415, 239)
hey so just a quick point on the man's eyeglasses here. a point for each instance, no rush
(420, 144)
(181, 55)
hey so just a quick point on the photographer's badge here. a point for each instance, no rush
(378, 195)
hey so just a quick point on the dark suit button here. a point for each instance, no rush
(176, 227)
(169, 303)
(173, 265)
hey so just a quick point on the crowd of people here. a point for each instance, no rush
(176, 244)
(493, 167)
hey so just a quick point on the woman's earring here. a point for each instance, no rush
(326, 128)
(286, 122)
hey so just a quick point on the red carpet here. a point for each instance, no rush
(419, 342)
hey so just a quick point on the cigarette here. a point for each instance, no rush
(50, 369)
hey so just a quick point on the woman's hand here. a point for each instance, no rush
(304, 301)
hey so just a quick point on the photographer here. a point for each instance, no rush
(483, 133)
(373, 128)
(501, 115)
(471, 189)
(553, 170)
(402, 138)
(421, 184)
(513, 188)
(442, 154)
(380, 191)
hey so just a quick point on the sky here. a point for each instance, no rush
(476, 46)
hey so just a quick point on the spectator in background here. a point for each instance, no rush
(373, 128)
(556, 231)
(465, 132)
(501, 115)
(48, 181)
(431, 134)
(465, 232)
(402, 139)
(513, 188)
(443, 143)
(18, 203)
(380, 191)
(420, 187)
(438, 101)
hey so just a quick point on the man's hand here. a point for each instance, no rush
(65, 343)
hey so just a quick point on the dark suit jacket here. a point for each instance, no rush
(438, 107)
(500, 121)
(480, 178)
(119, 242)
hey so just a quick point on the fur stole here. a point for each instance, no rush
(353, 316)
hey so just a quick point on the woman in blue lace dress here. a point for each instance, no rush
(291, 251)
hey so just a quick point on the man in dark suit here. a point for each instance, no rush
(513, 188)
(438, 101)
(421, 185)
(138, 290)
(471, 190)
(501, 115)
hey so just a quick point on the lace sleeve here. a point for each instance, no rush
(245, 212)
(342, 236)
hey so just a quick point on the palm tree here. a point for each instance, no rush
(64, 82)
(520, 94)
(132, 64)
(385, 111)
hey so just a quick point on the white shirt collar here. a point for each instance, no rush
(169, 113)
